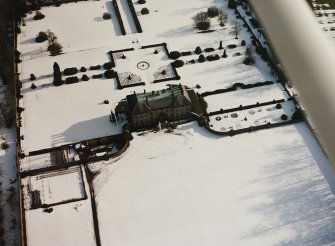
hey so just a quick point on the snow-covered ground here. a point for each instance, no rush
(325, 14)
(188, 187)
(250, 96)
(251, 117)
(264, 188)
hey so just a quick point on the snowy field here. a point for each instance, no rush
(264, 188)
(187, 187)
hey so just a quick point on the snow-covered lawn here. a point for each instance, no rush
(52, 186)
(251, 117)
(68, 114)
(245, 97)
(264, 188)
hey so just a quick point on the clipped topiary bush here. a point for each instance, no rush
(85, 78)
(106, 16)
(204, 25)
(83, 69)
(278, 106)
(57, 75)
(198, 50)
(4, 145)
(284, 117)
(110, 74)
(201, 58)
(212, 57)
(33, 86)
(38, 15)
(144, 11)
(201, 21)
(209, 49)
(71, 80)
(178, 63)
(297, 115)
(212, 12)
(248, 61)
(232, 4)
(32, 77)
(41, 37)
(97, 67)
(243, 43)
(70, 71)
(231, 46)
(55, 49)
(186, 53)
(174, 55)
(108, 65)
(97, 76)
(220, 46)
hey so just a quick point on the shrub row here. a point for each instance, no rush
(256, 105)
(251, 128)
(133, 12)
(235, 87)
(118, 15)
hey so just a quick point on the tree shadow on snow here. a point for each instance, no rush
(298, 199)
(177, 32)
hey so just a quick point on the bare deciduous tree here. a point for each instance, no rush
(222, 18)
(236, 28)
(52, 38)
(54, 47)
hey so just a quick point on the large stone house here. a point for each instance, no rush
(148, 108)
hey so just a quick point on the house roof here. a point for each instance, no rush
(174, 96)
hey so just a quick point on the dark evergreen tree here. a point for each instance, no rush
(232, 4)
(224, 54)
(198, 50)
(57, 75)
(220, 46)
